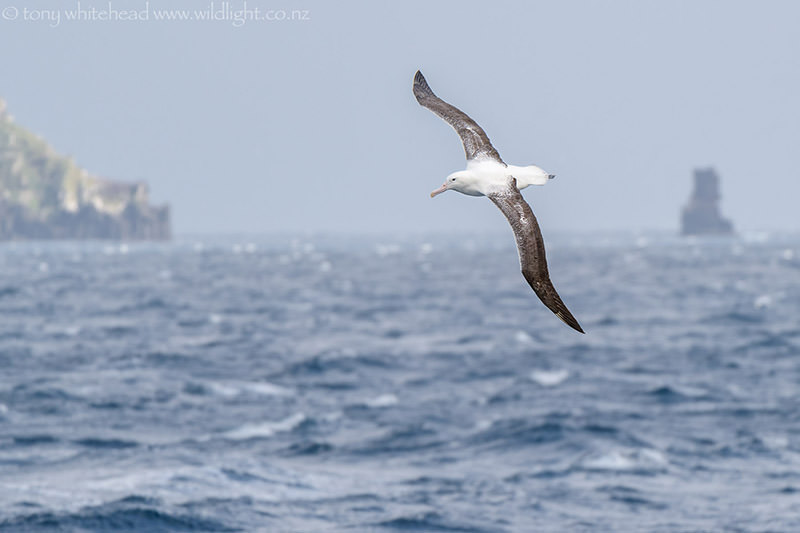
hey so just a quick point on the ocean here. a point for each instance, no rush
(384, 384)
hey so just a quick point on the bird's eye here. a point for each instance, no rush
(452, 179)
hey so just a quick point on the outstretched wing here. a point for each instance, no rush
(530, 246)
(476, 143)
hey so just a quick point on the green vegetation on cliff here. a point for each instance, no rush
(46, 195)
(31, 173)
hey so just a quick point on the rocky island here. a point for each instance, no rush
(44, 195)
(701, 215)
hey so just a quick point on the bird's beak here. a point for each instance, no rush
(440, 190)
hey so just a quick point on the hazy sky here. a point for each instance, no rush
(311, 124)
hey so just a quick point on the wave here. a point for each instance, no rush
(513, 432)
(8, 291)
(97, 442)
(630, 496)
(319, 364)
(233, 389)
(411, 438)
(384, 400)
(432, 522)
(135, 518)
(309, 448)
(34, 440)
(549, 378)
(674, 394)
(643, 461)
(735, 317)
(265, 429)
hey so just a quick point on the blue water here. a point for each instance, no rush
(319, 384)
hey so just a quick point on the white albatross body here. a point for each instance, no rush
(488, 175)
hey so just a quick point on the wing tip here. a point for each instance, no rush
(550, 298)
(571, 322)
(421, 87)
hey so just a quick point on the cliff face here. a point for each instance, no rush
(44, 195)
(701, 215)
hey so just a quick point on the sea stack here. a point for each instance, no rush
(701, 215)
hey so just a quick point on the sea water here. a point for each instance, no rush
(399, 384)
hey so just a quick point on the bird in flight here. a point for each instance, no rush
(487, 175)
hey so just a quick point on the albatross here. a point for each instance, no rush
(487, 175)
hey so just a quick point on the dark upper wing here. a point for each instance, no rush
(530, 246)
(476, 143)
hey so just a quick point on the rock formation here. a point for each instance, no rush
(44, 195)
(701, 216)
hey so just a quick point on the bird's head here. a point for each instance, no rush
(463, 181)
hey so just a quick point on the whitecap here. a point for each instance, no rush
(230, 390)
(775, 442)
(622, 460)
(267, 389)
(226, 391)
(265, 429)
(654, 457)
(384, 400)
(763, 301)
(615, 460)
(549, 378)
(522, 337)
